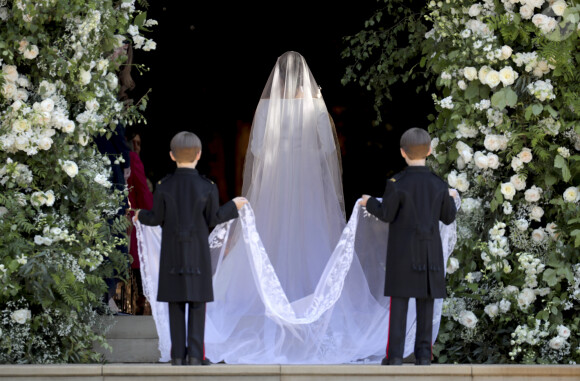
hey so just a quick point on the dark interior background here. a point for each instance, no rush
(212, 62)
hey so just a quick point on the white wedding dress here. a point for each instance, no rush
(293, 282)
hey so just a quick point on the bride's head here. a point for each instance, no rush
(291, 78)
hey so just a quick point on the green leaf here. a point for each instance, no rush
(472, 90)
(560, 162)
(550, 277)
(140, 19)
(576, 233)
(537, 109)
(498, 100)
(510, 96)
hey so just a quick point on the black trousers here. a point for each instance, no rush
(398, 328)
(195, 329)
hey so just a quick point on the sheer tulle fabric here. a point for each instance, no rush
(293, 282)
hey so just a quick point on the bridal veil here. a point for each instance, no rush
(294, 283)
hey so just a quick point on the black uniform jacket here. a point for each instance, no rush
(414, 202)
(186, 205)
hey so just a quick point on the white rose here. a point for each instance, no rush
(483, 71)
(83, 139)
(461, 183)
(31, 52)
(517, 164)
(491, 310)
(68, 127)
(452, 265)
(522, 224)
(92, 105)
(467, 131)
(460, 163)
(21, 316)
(519, 182)
(465, 151)
(508, 190)
(563, 331)
(70, 167)
(551, 229)
(536, 213)
(492, 161)
(45, 143)
(506, 52)
(461, 84)
(507, 208)
(492, 78)
(571, 194)
(508, 290)
(468, 319)
(85, 77)
(20, 125)
(533, 194)
(470, 73)
(10, 73)
(526, 155)
(474, 10)
(527, 12)
(49, 198)
(559, 7)
(507, 76)
(557, 342)
(47, 105)
(538, 235)
(112, 81)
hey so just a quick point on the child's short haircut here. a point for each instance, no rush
(185, 146)
(416, 143)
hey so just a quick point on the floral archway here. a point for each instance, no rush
(58, 91)
(506, 133)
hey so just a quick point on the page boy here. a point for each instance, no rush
(414, 202)
(186, 205)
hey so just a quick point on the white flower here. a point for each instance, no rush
(465, 151)
(492, 78)
(31, 52)
(536, 213)
(563, 331)
(506, 52)
(70, 167)
(508, 290)
(538, 235)
(526, 155)
(447, 102)
(545, 23)
(564, 152)
(9, 89)
(47, 105)
(149, 45)
(495, 142)
(508, 190)
(92, 105)
(461, 84)
(522, 224)
(466, 131)
(519, 182)
(551, 229)
(133, 30)
(45, 143)
(466, 33)
(527, 12)
(83, 139)
(21, 316)
(516, 164)
(507, 208)
(475, 10)
(112, 81)
(572, 194)
(85, 77)
(533, 194)
(20, 125)
(492, 160)
(557, 342)
(526, 297)
(10, 73)
(480, 160)
(470, 73)
(491, 310)
(473, 277)
(483, 71)
(507, 76)
(504, 305)
(49, 195)
(68, 127)
(452, 265)
(468, 319)
(559, 7)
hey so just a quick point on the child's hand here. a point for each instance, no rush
(453, 193)
(363, 202)
(240, 201)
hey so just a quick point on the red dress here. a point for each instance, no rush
(140, 197)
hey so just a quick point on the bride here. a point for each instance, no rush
(294, 283)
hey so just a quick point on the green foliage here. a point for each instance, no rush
(61, 232)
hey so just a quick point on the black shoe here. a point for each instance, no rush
(422, 362)
(193, 361)
(178, 361)
(392, 361)
(206, 361)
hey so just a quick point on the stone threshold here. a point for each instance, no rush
(106, 372)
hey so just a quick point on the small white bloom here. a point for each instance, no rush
(538, 235)
(519, 182)
(133, 30)
(507, 208)
(536, 213)
(526, 12)
(557, 342)
(526, 155)
(526, 297)
(70, 167)
(533, 194)
(483, 71)
(85, 77)
(507, 76)
(492, 160)
(461, 84)
(475, 10)
(559, 7)
(21, 316)
(452, 265)
(468, 319)
(506, 52)
(492, 78)
(563, 331)
(49, 195)
(470, 73)
(491, 310)
(516, 164)
(31, 52)
(504, 305)
(522, 224)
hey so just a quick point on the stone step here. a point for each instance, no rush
(133, 340)
(222, 372)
